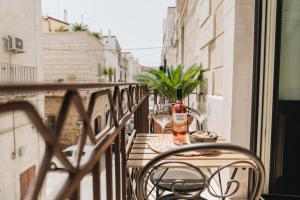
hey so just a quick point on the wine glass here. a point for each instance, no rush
(200, 111)
(163, 117)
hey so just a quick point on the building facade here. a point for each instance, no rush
(50, 24)
(73, 126)
(72, 56)
(168, 55)
(133, 66)
(213, 33)
(219, 35)
(124, 62)
(21, 146)
(113, 56)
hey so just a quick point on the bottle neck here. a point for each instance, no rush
(179, 101)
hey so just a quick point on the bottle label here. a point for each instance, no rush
(179, 122)
(180, 118)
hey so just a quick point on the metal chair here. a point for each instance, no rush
(178, 186)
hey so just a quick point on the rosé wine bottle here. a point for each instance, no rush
(179, 115)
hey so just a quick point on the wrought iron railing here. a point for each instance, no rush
(136, 98)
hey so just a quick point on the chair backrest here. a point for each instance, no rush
(251, 161)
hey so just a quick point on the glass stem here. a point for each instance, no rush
(162, 134)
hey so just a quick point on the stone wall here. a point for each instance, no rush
(219, 34)
(72, 129)
(72, 54)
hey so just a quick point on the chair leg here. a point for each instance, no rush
(173, 197)
(159, 192)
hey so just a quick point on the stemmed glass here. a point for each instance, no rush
(163, 116)
(200, 111)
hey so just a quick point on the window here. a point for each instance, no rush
(99, 70)
(115, 75)
(51, 122)
(68, 153)
(97, 124)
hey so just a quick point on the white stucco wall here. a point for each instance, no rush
(113, 54)
(133, 67)
(22, 20)
(18, 135)
(111, 59)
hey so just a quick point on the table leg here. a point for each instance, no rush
(136, 176)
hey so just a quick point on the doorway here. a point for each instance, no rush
(285, 135)
(27, 179)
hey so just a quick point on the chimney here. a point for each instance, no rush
(109, 33)
(82, 18)
(65, 15)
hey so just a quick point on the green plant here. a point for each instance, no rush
(167, 83)
(61, 29)
(71, 77)
(79, 27)
(97, 35)
(109, 71)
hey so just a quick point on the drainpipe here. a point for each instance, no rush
(165, 64)
(13, 154)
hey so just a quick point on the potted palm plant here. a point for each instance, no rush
(175, 77)
(109, 72)
(166, 84)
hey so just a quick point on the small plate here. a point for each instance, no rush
(195, 139)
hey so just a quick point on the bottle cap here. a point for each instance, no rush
(179, 93)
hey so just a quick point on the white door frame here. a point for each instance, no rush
(265, 107)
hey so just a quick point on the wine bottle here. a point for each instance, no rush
(179, 115)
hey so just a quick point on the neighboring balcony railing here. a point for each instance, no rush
(125, 100)
(17, 74)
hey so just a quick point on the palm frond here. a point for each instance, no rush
(79, 27)
(175, 77)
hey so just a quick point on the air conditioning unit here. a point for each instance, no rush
(14, 44)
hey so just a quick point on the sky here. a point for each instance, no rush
(136, 23)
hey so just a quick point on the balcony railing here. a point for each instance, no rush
(125, 100)
(17, 74)
(135, 98)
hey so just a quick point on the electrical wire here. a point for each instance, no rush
(86, 50)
